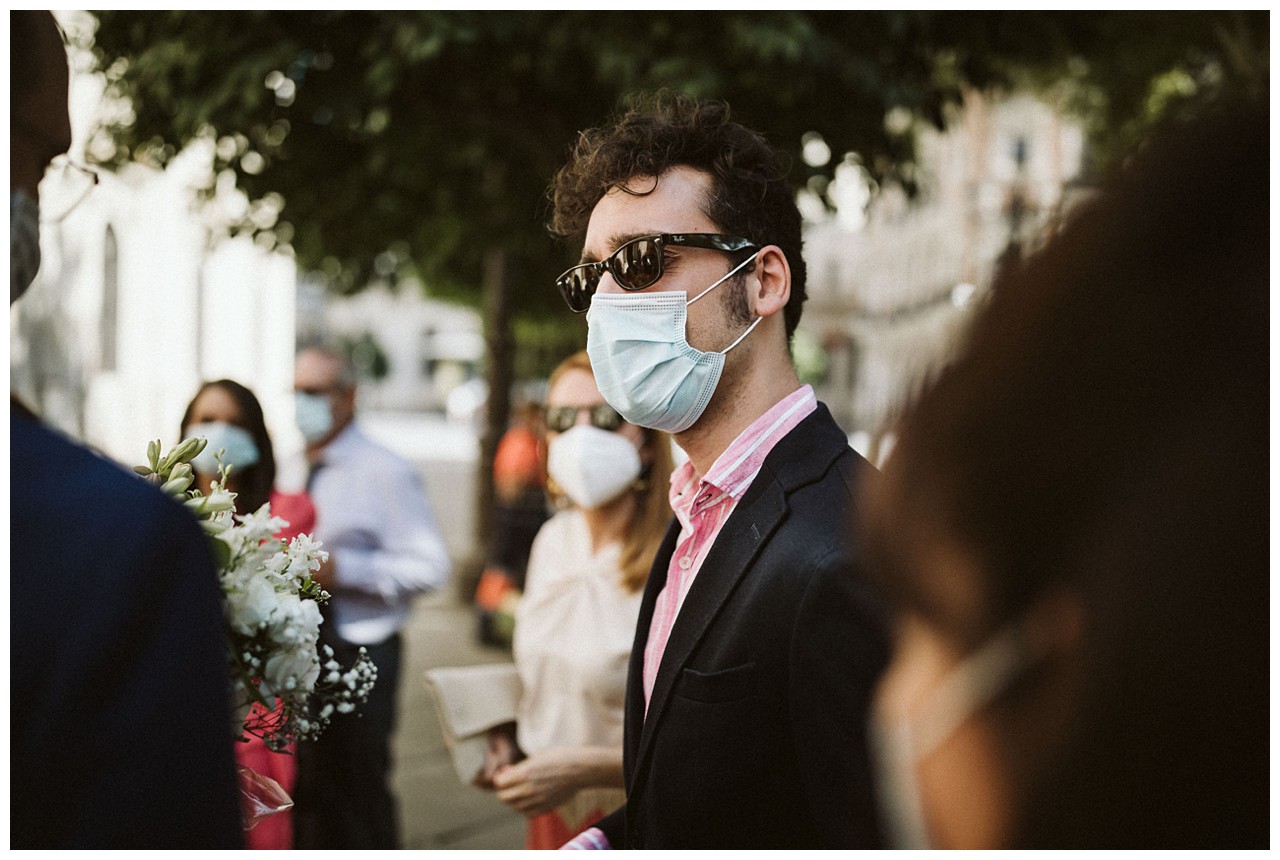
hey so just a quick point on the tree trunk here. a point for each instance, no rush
(499, 371)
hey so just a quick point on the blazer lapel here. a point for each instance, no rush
(740, 539)
(802, 456)
(634, 707)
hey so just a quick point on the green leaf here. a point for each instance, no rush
(221, 552)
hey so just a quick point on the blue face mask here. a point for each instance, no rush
(642, 359)
(238, 447)
(313, 415)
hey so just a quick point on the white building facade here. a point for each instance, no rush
(413, 351)
(136, 304)
(889, 302)
(140, 297)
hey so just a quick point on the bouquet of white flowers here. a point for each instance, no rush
(272, 607)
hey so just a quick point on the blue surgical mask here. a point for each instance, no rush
(24, 242)
(313, 415)
(642, 359)
(237, 446)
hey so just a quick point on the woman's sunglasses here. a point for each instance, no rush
(637, 264)
(561, 418)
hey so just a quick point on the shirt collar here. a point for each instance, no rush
(734, 470)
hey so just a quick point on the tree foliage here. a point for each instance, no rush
(414, 143)
(383, 146)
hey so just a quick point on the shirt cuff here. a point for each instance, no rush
(591, 839)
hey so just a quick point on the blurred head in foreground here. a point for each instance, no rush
(1073, 528)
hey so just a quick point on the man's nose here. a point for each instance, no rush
(583, 417)
(608, 284)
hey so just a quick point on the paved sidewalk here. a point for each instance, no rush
(436, 810)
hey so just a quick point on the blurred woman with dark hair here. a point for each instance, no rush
(1074, 524)
(230, 417)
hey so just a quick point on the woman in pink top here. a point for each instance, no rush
(230, 417)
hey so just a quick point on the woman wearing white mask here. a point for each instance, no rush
(230, 417)
(576, 621)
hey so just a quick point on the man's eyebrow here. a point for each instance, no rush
(616, 241)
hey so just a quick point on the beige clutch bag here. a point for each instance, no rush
(470, 700)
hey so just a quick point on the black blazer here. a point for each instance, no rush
(120, 708)
(756, 732)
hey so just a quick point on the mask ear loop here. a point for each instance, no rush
(975, 683)
(742, 336)
(732, 272)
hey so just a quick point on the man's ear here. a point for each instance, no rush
(770, 289)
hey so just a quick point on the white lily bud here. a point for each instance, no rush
(176, 486)
(188, 449)
(185, 450)
(212, 527)
(217, 503)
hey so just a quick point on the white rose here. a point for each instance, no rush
(291, 671)
(251, 606)
(309, 618)
(297, 621)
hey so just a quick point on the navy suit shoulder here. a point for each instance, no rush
(755, 735)
(120, 732)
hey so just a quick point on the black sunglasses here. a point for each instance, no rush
(637, 264)
(561, 418)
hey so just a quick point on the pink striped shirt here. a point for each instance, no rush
(703, 504)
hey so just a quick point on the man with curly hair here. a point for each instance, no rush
(755, 650)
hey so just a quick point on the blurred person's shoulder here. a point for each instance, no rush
(356, 446)
(84, 525)
(48, 466)
(519, 453)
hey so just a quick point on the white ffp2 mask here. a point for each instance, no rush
(591, 465)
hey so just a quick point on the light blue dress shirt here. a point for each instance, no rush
(372, 514)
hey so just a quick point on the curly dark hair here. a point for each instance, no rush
(749, 196)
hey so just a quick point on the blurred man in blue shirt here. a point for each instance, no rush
(385, 548)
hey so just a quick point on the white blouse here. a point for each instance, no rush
(573, 633)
